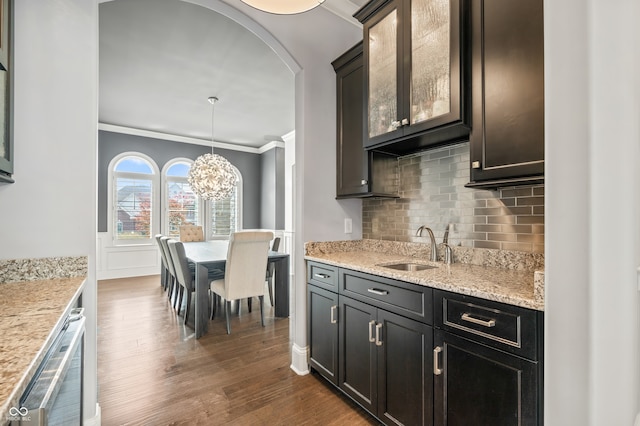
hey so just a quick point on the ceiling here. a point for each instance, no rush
(161, 59)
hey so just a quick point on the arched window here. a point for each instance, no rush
(181, 205)
(133, 189)
(225, 216)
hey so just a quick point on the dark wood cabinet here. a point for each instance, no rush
(507, 139)
(383, 359)
(323, 332)
(386, 363)
(416, 75)
(488, 362)
(481, 386)
(359, 173)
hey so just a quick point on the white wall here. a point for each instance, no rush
(51, 209)
(592, 78)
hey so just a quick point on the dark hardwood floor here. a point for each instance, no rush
(152, 370)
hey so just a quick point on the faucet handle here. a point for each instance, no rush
(448, 254)
(445, 240)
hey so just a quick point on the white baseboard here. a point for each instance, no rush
(299, 360)
(95, 420)
(637, 422)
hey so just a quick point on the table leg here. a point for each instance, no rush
(281, 284)
(202, 302)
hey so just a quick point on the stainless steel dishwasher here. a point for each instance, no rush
(54, 395)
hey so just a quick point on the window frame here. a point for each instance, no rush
(239, 208)
(112, 205)
(164, 194)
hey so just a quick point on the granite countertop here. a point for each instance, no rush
(504, 280)
(29, 314)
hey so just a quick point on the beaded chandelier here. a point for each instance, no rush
(211, 176)
(284, 7)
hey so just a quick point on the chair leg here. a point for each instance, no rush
(213, 305)
(261, 309)
(270, 287)
(180, 294)
(249, 300)
(186, 310)
(226, 314)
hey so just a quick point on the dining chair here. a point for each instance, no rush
(164, 271)
(244, 272)
(185, 274)
(173, 283)
(189, 233)
(271, 268)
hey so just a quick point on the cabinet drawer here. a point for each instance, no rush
(495, 324)
(325, 276)
(410, 300)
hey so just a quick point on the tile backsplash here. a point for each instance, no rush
(432, 193)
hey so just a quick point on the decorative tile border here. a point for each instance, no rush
(16, 270)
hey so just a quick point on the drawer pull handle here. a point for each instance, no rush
(323, 276)
(436, 365)
(378, 292)
(487, 323)
(371, 339)
(378, 329)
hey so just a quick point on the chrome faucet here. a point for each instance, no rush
(448, 251)
(434, 246)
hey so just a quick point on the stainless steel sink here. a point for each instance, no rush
(409, 267)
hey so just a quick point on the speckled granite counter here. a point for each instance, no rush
(508, 277)
(29, 314)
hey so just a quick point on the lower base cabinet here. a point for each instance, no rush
(385, 363)
(448, 360)
(478, 385)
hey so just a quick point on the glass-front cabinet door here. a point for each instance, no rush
(383, 83)
(414, 56)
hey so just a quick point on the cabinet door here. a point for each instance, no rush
(323, 332)
(477, 385)
(405, 364)
(352, 173)
(357, 351)
(507, 140)
(383, 59)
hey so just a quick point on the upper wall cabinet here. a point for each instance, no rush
(416, 76)
(507, 140)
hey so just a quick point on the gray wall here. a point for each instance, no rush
(432, 193)
(272, 202)
(161, 151)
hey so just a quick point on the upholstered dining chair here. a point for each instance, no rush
(173, 283)
(244, 272)
(164, 269)
(189, 233)
(185, 274)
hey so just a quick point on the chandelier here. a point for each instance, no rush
(284, 7)
(211, 176)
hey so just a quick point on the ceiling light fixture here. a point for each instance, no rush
(284, 7)
(211, 176)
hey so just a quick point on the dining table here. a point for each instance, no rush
(211, 255)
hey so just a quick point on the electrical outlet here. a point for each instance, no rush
(348, 225)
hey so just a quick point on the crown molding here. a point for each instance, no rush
(185, 139)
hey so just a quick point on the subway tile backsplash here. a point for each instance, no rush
(432, 193)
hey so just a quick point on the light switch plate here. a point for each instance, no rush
(348, 225)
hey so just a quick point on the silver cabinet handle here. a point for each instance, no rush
(334, 310)
(371, 339)
(467, 317)
(404, 121)
(323, 276)
(395, 124)
(475, 165)
(436, 368)
(364, 182)
(378, 329)
(378, 292)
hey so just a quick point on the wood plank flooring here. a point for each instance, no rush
(152, 370)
